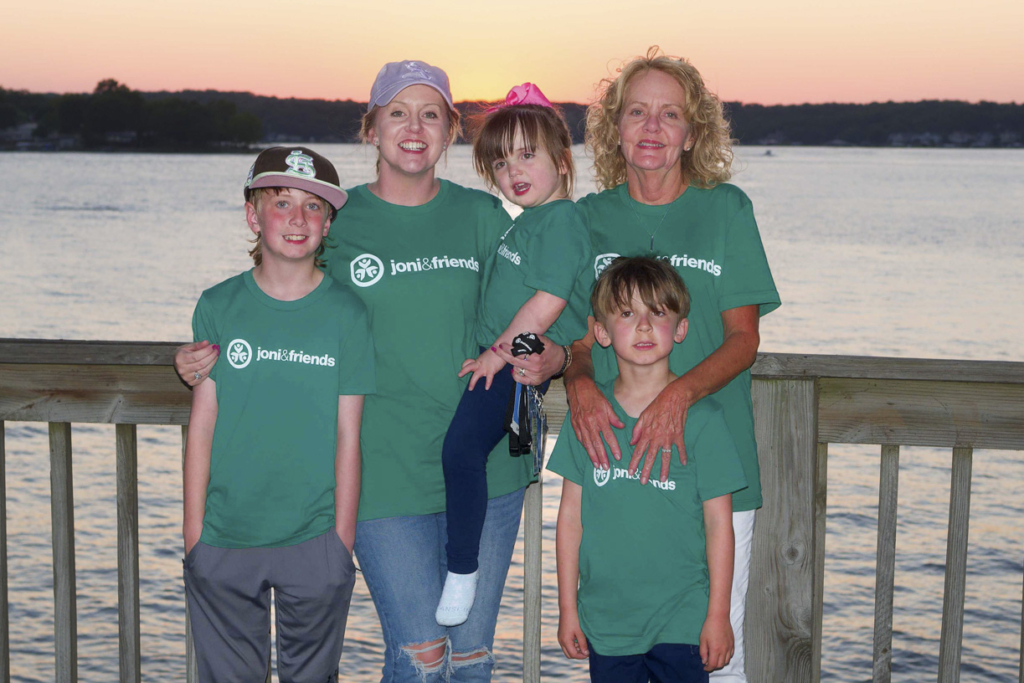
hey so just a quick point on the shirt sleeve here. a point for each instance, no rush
(567, 458)
(719, 470)
(356, 364)
(747, 278)
(204, 327)
(557, 253)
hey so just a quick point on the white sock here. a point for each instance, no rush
(456, 598)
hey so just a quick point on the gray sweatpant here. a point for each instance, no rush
(228, 593)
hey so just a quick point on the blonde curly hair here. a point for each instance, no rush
(707, 164)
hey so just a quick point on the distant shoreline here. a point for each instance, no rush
(114, 117)
(255, 149)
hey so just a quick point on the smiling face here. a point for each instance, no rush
(653, 132)
(411, 131)
(291, 223)
(528, 177)
(640, 335)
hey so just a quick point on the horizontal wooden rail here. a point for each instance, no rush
(802, 404)
(768, 365)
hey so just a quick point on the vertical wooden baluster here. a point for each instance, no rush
(885, 563)
(1020, 673)
(779, 636)
(951, 639)
(62, 520)
(5, 631)
(820, 509)
(191, 670)
(532, 539)
(128, 626)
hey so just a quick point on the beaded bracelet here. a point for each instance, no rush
(565, 364)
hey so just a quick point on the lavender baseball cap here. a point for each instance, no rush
(394, 77)
(298, 167)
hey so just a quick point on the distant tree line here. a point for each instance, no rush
(925, 123)
(115, 115)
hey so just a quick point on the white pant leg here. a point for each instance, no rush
(743, 528)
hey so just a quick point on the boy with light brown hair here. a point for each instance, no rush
(272, 461)
(645, 572)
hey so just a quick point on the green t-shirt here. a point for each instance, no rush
(418, 270)
(712, 240)
(547, 249)
(274, 445)
(642, 558)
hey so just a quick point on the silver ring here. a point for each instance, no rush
(196, 376)
(666, 450)
(522, 372)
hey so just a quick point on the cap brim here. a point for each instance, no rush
(334, 195)
(388, 94)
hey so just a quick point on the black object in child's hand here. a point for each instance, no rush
(525, 344)
(517, 414)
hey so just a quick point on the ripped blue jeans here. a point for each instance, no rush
(404, 566)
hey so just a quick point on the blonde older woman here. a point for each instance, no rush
(662, 153)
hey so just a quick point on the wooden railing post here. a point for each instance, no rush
(191, 669)
(951, 638)
(781, 595)
(532, 538)
(62, 521)
(818, 598)
(885, 563)
(5, 631)
(129, 649)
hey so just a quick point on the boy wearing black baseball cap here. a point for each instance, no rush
(272, 459)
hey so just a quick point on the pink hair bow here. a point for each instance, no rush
(527, 93)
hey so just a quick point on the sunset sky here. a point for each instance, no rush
(779, 52)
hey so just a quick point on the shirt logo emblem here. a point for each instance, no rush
(366, 269)
(300, 164)
(601, 476)
(602, 262)
(239, 353)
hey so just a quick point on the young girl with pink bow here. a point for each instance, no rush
(536, 281)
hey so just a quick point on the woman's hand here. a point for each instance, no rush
(192, 362)
(485, 366)
(660, 427)
(661, 424)
(593, 418)
(537, 367)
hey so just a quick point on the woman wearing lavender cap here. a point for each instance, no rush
(411, 246)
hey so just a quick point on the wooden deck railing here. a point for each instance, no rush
(801, 404)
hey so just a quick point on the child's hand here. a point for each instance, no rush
(191, 532)
(716, 642)
(570, 636)
(486, 366)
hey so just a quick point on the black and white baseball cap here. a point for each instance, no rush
(298, 167)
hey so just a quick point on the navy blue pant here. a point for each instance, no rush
(664, 663)
(477, 427)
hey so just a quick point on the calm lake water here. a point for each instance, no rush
(910, 253)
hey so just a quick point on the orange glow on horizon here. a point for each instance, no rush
(791, 51)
